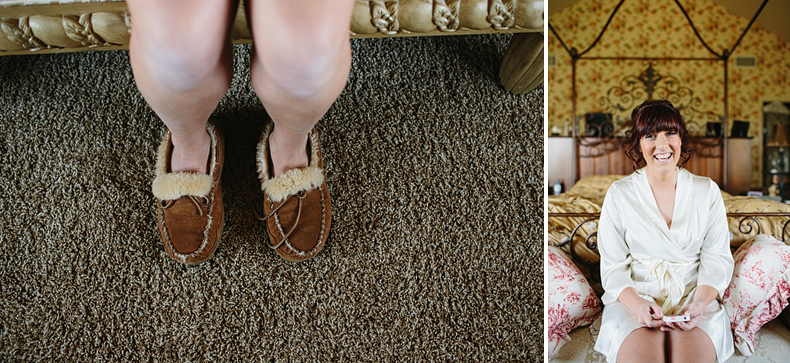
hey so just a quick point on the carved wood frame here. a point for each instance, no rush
(56, 28)
(106, 25)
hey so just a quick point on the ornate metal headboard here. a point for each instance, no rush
(650, 84)
(632, 90)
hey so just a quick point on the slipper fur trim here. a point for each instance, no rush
(169, 186)
(175, 185)
(294, 180)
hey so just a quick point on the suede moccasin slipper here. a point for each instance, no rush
(296, 204)
(190, 211)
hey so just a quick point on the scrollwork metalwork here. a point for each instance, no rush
(650, 84)
(742, 226)
(623, 96)
(593, 246)
(590, 241)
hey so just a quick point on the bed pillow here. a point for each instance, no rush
(594, 187)
(571, 302)
(759, 288)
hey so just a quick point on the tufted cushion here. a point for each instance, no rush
(759, 288)
(571, 302)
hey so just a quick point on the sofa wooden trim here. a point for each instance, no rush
(73, 27)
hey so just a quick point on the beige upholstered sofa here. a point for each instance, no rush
(52, 26)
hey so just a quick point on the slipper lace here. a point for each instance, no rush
(299, 196)
(199, 203)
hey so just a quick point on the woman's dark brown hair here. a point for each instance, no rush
(655, 116)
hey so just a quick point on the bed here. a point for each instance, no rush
(572, 226)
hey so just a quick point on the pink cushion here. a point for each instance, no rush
(571, 302)
(759, 288)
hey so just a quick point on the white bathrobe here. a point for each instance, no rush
(664, 264)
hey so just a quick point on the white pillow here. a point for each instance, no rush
(759, 288)
(571, 302)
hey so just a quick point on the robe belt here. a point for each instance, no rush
(669, 276)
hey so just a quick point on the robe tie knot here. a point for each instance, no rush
(669, 276)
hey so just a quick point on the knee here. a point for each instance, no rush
(304, 69)
(179, 63)
(181, 42)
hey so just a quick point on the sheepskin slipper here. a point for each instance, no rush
(296, 204)
(190, 211)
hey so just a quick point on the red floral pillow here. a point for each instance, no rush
(759, 288)
(571, 302)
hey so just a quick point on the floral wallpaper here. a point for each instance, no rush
(658, 28)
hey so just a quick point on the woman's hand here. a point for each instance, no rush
(649, 314)
(694, 311)
(702, 298)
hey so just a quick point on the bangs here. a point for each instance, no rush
(661, 120)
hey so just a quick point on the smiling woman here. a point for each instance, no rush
(657, 139)
(662, 117)
(664, 249)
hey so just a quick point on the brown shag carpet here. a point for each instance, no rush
(435, 252)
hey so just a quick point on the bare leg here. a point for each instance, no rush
(690, 346)
(643, 345)
(182, 60)
(300, 64)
